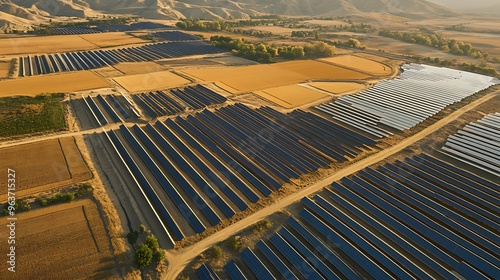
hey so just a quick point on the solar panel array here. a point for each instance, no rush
(477, 144)
(105, 110)
(161, 103)
(208, 166)
(85, 60)
(420, 218)
(402, 103)
(176, 36)
(72, 30)
(67, 30)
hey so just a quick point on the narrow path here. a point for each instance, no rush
(178, 260)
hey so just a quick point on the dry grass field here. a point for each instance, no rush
(4, 68)
(259, 77)
(360, 64)
(65, 241)
(484, 41)
(44, 165)
(44, 44)
(132, 68)
(291, 96)
(151, 81)
(60, 83)
(109, 39)
(338, 87)
(317, 70)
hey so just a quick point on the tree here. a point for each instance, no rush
(152, 242)
(215, 252)
(143, 256)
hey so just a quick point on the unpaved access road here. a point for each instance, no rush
(178, 260)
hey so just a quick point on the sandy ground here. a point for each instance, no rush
(133, 68)
(151, 81)
(360, 64)
(111, 39)
(59, 83)
(179, 259)
(338, 88)
(290, 96)
(4, 68)
(317, 70)
(62, 241)
(44, 44)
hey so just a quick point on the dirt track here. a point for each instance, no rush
(177, 260)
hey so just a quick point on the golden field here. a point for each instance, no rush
(109, 39)
(132, 68)
(59, 83)
(44, 44)
(151, 81)
(360, 64)
(317, 70)
(338, 87)
(291, 96)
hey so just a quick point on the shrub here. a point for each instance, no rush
(143, 228)
(215, 253)
(235, 243)
(143, 256)
(262, 225)
(69, 197)
(160, 255)
(152, 242)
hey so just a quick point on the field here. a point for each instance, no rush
(483, 41)
(4, 68)
(44, 44)
(316, 70)
(338, 87)
(66, 82)
(151, 81)
(66, 241)
(109, 39)
(132, 68)
(26, 115)
(243, 79)
(360, 64)
(291, 96)
(44, 165)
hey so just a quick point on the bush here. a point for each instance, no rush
(42, 201)
(215, 253)
(160, 255)
(152, 242)
(235, 243)
(143, 256)
(262, 225)
(143, 228)
(68, 197)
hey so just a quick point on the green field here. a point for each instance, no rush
(28, 115)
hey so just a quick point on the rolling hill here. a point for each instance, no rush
(26, 12)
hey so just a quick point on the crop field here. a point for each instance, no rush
(112, 39)
(360, 64)
(44, 165)
(338, 87)
(44, 44)
(291, 96)
(65, 82)
(313, 70)
(66, 241)
(151, 81)
(131, 68)
(4, 68)
(242, 79)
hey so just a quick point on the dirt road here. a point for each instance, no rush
(177, 260)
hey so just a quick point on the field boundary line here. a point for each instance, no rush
(90, 229)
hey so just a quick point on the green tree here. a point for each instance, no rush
(143, 256)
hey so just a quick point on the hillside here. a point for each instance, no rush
(25, 12)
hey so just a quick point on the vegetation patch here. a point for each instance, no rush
(26, 115)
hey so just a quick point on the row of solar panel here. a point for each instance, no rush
(406, 101)
(161, 103)
(107, 28)
(85, 60)
(207, 178)
(478, 144)
(418, 219)
(112, 109)
(176, 36)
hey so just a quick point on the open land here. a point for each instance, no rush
(66, 82)
(291, 96)
(4, 68)
(109, 39)
(44, 165)
(44, 44)
(338, 87)
(68, 241)
(133, 68)
(360, 64)
(150, 81)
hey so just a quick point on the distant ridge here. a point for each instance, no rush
(31, 12)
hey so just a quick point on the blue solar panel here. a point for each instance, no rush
(234, 271)
(286, 273)
(255, 264)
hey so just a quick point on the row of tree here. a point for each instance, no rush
(436, 41)
(219, 25)
(482, 68)
(266, 52)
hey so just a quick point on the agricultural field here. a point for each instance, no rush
(360, 64)
(151, 81)
(131, 68)
(64, 82)
(28, 115)
(338, 87)
(65, 241)
(242, 79)
(291, 96)
(110, 39)
(44, 44)
(44, 165)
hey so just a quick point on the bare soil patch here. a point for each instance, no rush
(151, 81)
(109, 39)
(317, 70)
(44, 44)
(4, 68)
(132, 68)
(360, 64)
(338, 87)
(291, 96)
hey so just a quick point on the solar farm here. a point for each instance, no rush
(356, 168)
